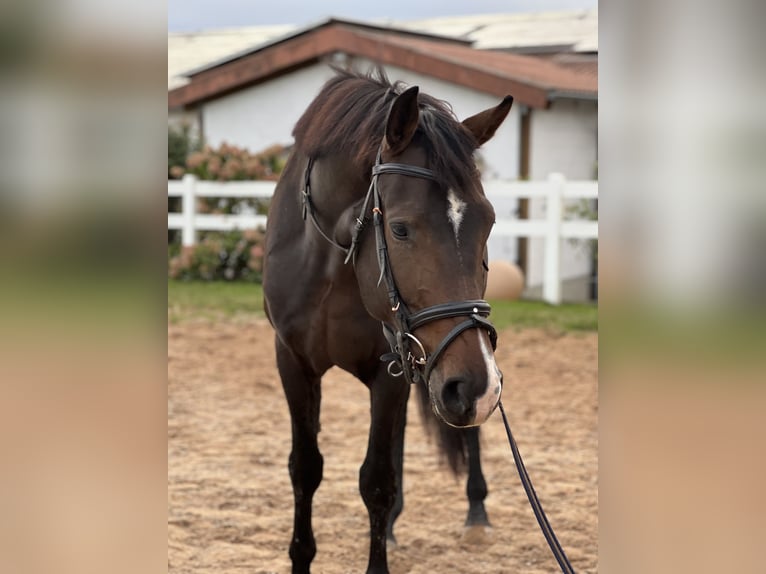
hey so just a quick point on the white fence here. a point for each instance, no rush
(553, 228)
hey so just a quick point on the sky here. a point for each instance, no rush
(191, 15)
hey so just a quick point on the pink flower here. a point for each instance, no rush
(234, 165)
(195, 160)
(214, 166)
(175, 267)
(251, 235)
(186, 257)
(254, 168)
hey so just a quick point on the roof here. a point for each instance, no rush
(585, 64)
(532, 81)
(532, 72)
(574, 31)
(355, 24)
(190, 50)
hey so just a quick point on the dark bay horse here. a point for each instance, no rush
(376, 262)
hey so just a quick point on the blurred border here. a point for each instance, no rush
(82, 286)
(682, 218)
(682, 215)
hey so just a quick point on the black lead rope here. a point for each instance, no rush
(542, 519)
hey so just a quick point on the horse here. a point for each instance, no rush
(375, 262)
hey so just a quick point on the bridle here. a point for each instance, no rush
(408, 357)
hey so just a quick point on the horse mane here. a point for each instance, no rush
(349, 115)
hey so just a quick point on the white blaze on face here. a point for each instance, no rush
(486, 403)
(455, 211)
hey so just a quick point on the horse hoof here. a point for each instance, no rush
(477, 534)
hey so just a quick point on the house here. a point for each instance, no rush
(253, 96)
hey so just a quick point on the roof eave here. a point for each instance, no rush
(572, 95)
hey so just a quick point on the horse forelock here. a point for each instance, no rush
(348, 117)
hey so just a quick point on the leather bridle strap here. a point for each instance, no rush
(403, 169)
(308, 206)
(380, 240)
(448, 310)
(473, 322)
(372, 192)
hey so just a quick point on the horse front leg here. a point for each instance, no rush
(378, 475)
(305, 462)
(477, 524)
(399, 472)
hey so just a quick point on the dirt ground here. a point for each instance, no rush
(229, 494)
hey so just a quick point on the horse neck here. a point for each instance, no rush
(337, 189)
(338, 184)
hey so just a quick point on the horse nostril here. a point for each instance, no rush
(455, 396)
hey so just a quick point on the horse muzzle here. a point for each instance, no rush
(467, 398)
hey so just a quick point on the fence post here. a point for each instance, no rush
(552, 267)
(188, 209)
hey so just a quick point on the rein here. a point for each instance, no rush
(534, 502)
(408, 357)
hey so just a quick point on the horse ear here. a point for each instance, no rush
(484, 124)
(402, 121)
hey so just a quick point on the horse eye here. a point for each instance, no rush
(399, 230)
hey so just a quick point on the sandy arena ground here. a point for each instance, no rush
(229, 494)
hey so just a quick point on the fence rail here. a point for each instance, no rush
(553, 228)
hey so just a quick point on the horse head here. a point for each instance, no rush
(426, 273)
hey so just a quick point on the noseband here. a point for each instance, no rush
(408, 357)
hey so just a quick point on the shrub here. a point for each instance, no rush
(231, 256)
(222, 256)
(180, 145)
(231, 163)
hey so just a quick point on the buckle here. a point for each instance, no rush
(305, 198)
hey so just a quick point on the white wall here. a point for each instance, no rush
(563, 139)
(263, 115)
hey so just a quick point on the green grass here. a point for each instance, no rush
(536, 314)
(190, 300)
(213, 300)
